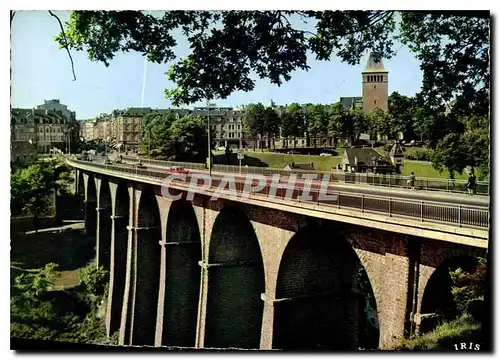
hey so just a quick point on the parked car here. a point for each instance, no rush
(177, 170)
(220, 148)
(293, 152)
(325, 154)
(108, 162)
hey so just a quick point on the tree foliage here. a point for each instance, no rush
(31, 188)
(228, 48)
(95, 279)
(293, 122)
(261, 121)
(188, 136)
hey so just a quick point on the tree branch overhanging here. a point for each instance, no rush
(65, 43)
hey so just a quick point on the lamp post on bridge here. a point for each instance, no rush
(209, 159)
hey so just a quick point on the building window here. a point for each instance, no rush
(375, 102)
(374, 86)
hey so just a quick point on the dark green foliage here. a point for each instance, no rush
(468, 287)
(261, 121)
(33, 187)
(188, 138)
(418, 155)
(94, 279)
(227, 48)
(37, 312)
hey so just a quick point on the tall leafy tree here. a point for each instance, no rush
(31, 190)
(293, 122)
(189, 139)
(254, 121)
(227, 48)
(155, 133)
(272, 123)
(380, 123)
(449, 154)
(402, 113)
(317, 121)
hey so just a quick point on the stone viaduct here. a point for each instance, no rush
(223, 273)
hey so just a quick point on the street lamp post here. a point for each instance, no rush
(209, 150)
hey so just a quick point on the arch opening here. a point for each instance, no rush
(104, 225)
(454, 288)
(324, 297)
(148, 262)
(235, 283)
(182, 276)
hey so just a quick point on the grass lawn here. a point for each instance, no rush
(422, 169)
(281, 160)
(325, 163)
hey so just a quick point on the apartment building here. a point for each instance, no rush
(42, 128)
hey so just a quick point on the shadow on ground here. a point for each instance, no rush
(232, 159)
(67, 246)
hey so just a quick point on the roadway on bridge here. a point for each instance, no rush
(421, 195)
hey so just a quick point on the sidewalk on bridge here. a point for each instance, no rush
(437, 196)
(429, 194)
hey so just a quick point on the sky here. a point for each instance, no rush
(42, 71)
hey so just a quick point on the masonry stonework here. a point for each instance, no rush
(279, 266)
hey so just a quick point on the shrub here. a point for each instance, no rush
(94, 279)
(418, 155)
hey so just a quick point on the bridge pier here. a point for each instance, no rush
(118, 256)
(144, 259)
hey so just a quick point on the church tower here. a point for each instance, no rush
(375, 85)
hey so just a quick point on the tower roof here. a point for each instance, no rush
(374, 64)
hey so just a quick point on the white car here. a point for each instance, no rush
(220, 148)
(325, 154)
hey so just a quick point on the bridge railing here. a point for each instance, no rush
(424, 211)
(398, 181)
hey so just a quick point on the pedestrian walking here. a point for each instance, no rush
(411, 181)
(471, 184)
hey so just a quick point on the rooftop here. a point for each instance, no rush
(374, 64)
(364, 155)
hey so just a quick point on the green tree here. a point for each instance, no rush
(423, 123)
(31, 189)
(188, 136)
(449, 154)
(476, 144)
(402, 112)
(317, 121)
(380, 123)
(293, 122)
(227, 48)
(272, 123)
(254, 121)
(155, 135)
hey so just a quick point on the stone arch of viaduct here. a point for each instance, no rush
(202, 273)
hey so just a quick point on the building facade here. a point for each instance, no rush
(123, 128)
(42, 128)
